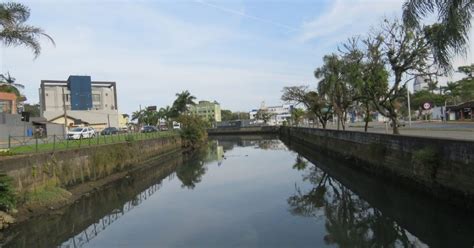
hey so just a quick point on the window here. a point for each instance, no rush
(96, 97)
(5, 106)
(66, 97)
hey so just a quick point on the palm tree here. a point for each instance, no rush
(7, 84)
(183, 100)
(14, 31)
(138, 115)
(448, 37)
(333, 87)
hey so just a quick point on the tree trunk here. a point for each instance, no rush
(395, 126)
(343, 121)
(367, 113)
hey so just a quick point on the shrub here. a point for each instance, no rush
(7, 193)
(130, 138)
(193, 130)
(6, 153)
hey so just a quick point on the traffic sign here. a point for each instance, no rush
(426, 106)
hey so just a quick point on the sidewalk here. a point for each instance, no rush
(455, 130)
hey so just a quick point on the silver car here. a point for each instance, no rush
(81, 133)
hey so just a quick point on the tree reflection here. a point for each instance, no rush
(349, 220)
(190, 173)
(193, 169)
(300, 163)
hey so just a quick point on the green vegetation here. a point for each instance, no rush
(450, 34)
(46, 195)
(425, 156)
(426, 160)
(228, 115)
(7, 193)
(14, 31)
(55, 144)
(193, 130)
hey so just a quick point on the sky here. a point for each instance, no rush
(236, 52)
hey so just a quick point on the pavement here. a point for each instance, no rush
(449, 130)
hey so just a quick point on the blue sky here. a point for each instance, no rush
(238, 53)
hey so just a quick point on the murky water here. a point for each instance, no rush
(250, 192)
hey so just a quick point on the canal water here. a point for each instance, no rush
(249, 192)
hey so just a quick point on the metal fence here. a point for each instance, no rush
(33, 144)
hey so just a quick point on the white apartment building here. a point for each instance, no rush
(79, 101)
(278, 114)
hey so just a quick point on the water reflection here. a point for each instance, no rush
(361, 210)
(349, 220)
(78, 224)
(249, 192)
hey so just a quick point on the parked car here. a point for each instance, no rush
(109, 131)
(149, 129)
(400, 123)
(81, 133)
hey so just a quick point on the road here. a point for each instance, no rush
(456, 130)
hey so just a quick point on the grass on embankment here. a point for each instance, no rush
(45, 145)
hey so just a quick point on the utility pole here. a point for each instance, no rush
(65, 114)
(108, 119)
(409, 108)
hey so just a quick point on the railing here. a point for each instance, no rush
(25, 144)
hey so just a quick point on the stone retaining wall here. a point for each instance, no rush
(442, 167)
(70, 167)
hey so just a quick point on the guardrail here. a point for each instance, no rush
(28, 144)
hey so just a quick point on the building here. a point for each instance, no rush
(207, 110)
(462, 112)
(8, 103)
(421, 83)
(79, 101)
(123, 121)
(277, 114)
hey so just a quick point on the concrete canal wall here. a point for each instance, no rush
(244, 130)
(71, 167)
(442, 167)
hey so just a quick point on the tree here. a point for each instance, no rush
(296, 115)
(319, 106)
(165, 113)
(466, 85)
(407, 53)
(333, 87)
(451, 35)
(193, 130)
(264, 115)
(420, 97)
(33, 109)
(226, 115)
(8, 84)
(14, 31)
(240, 116)
(180, 105)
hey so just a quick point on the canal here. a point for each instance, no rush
(249, 191)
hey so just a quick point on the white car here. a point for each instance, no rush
(81, 133)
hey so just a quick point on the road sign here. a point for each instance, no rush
(426, 106)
